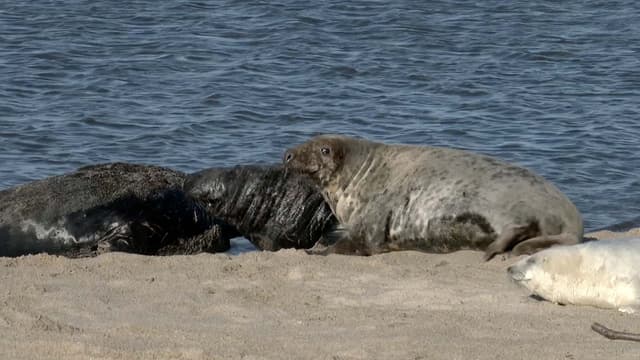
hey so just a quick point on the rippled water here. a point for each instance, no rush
(553, 86)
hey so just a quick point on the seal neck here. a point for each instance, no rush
(359, 158)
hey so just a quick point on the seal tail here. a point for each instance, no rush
(510, 236)
(538, 243)
(527, 239)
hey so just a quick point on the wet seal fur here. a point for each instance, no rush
(403, 197)
(270, 207)
(601, 273)
(108, 207)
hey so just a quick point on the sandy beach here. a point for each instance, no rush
(289, 305)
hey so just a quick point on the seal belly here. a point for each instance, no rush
(438, 225)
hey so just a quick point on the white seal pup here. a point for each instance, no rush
(603, 273)
(405, 197)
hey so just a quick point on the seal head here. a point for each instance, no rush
(321, 158)
(270, 207)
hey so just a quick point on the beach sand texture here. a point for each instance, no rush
(289, 305)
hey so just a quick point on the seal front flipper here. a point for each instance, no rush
(328, 242)
(117, 238)
(214, 240)
(338, 240)
(318, 249)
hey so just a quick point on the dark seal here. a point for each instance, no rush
(270, 207)
(110, 207)
(401, 197)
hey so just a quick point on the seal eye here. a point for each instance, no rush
(288, 157)
(325, 151)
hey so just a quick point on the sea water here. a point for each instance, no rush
(552, 86)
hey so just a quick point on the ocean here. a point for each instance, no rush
(552, 86)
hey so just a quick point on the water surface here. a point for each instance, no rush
(192, 84)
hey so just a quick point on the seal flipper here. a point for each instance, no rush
(337, 240)
(214, 240)
(318, 249)
(510, 236)
(327, 243)
(538, 243)
(118, 238)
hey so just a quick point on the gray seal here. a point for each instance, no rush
(108, 207)
(270, 207)
(402, 197)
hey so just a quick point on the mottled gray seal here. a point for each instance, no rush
(600, 273)
(271, 208)
(109, 207)
(400, 197)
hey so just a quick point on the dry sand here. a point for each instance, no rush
(289, 305)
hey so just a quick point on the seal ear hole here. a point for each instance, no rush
(325, 150)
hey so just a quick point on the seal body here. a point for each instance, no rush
(270, 207)
(109, 207)
(601, 273)
(404, 197)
